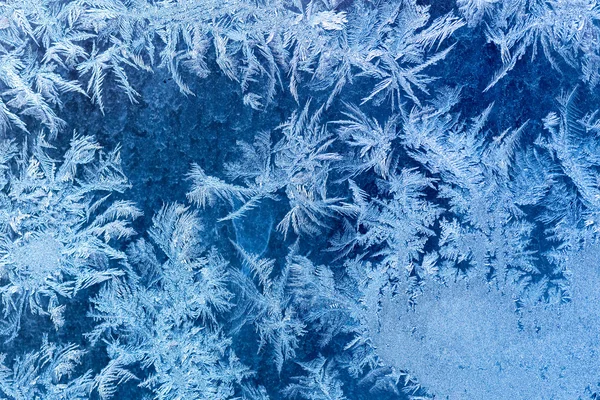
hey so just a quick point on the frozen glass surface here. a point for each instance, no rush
(294, 199)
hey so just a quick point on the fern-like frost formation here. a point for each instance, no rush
(299, 199)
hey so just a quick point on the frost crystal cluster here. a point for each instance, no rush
(299, 199)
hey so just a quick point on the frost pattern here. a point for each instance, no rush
(466, 339)
(58, 227)
(410, 210)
